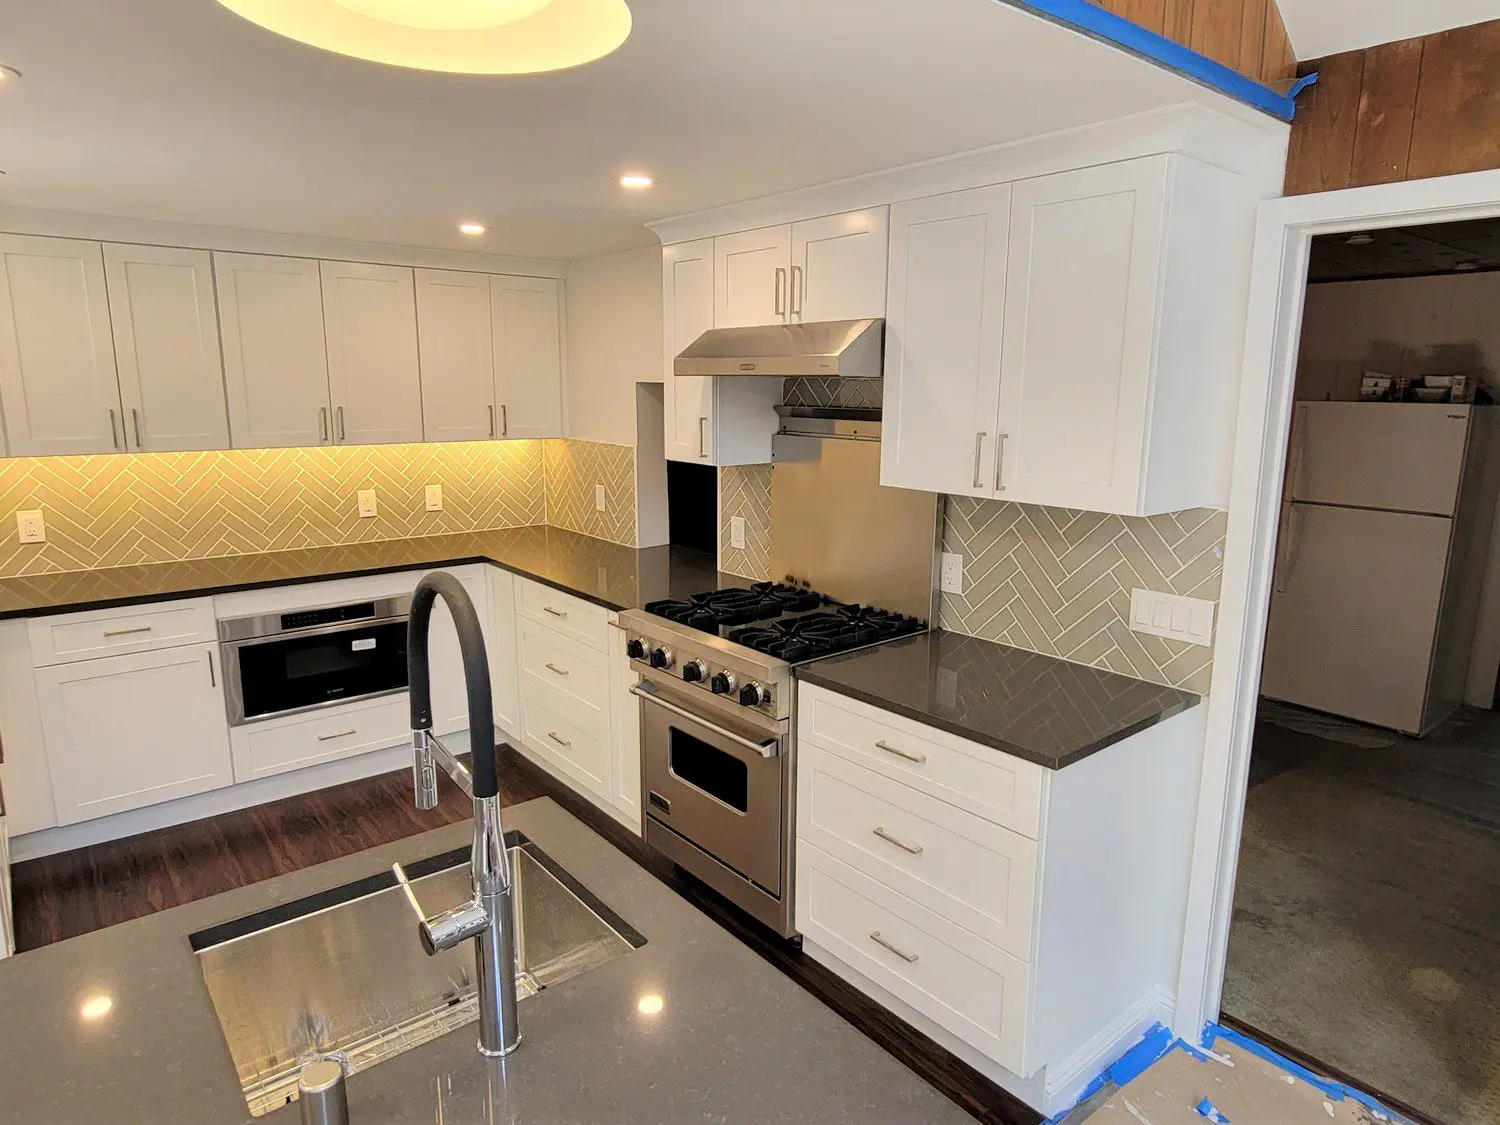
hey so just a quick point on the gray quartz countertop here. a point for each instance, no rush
(734, 1041)
(1048, 711)
(606, 573)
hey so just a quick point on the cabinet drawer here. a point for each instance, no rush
(575, 671)
(984, 781)
(109, 632)
(279, 746)
(971, 988)
(571, 616)
(582, 750)
(967, 870)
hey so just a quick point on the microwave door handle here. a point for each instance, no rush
(763, 749)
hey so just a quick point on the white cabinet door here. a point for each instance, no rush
(57, 360)
(1086, 249)
(275, 355)
(687, 279)
(752, 277)
(528, 355)
(457, 353)
(166, 331)
(839, 266)
(625, 739)
(373, 373)
(945, 314)
(503, 650)
(123, 732)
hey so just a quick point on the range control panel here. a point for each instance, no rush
(707, 671)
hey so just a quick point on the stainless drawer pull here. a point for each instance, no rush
(551, 667)
(213, 677)
(127, 632)
(978, 453)
(338, 734)
(914, 849)
(557, 738)
(909, 958)
(554, 612)
(908, 755)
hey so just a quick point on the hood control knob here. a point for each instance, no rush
(635, 648)
(661, 657)
(695, 671)
(723, 683)
(753, 694)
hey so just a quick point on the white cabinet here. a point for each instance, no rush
(839, 266)
(58, 384)
(127, 731)
(625, 786)
(370, 316)
(525, 317)
(281, 745)
(457, 355)
(752, 273)
(275, 354)
(450, 698)
(166, 333)
(503, 679)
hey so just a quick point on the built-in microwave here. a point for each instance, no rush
(304, 659)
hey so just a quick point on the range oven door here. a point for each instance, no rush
(309, 668)
(716, 782)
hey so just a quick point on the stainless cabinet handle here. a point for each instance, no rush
(551, 667)
(780, 290)
(914, 849)
(491, 409)
(554, 612)
(114, 434)
(135, 422)
(889, 749)
(338, 734)
(127, 632)
(213, 677)
(703, 436)
(999, 460)
(322, 423)
(909, 958)
(978, 450)
(557, 738)
(798, 285)
(341, 423)
(504, 420)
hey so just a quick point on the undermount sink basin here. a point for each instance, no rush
(341, 974)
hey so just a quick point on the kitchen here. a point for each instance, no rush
(233, 456)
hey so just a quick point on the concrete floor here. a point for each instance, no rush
(1367, 908)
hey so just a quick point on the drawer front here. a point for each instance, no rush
(279, 746)
(110, 632)
(965, 869)
(984, 781)
(965, 985)
(582, 751)
(577, 672)
(573, 617)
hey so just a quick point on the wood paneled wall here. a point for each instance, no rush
(1399, 111)
(1245, 35)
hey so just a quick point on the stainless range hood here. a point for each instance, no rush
(848, 348)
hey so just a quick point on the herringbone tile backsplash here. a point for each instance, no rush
(573, 469)
(745, 490)
(1059, 582)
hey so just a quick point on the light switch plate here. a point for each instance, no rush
(1174, 616)
(599, 498)
(951, 580)
(366, 503)
(434, 497)
(737, 532)
(31, 527)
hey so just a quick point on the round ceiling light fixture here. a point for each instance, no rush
(451, 36)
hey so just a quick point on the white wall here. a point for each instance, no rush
(614, 341)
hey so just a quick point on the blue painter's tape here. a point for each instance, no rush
(1334, 1091)
(1207, 1109)
(1301, 84)
(1153, 1045)
(1095, 21)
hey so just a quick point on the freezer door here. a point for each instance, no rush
(1403, 456)
(1354, 612)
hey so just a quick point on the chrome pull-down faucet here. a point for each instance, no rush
(486, 918)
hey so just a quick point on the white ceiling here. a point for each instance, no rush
(177, 110)
(1326, 27)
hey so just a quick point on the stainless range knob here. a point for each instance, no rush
(694, 672)
(661, 657)
(753, 694)
(635, 648)
(723, 683)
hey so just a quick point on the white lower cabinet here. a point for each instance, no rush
(503, 682)
(293, 743)
(126, 731)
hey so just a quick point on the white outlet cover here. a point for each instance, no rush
(434, 497)
(951, 580)
(599, 503)
(366, 503)
(31, 527)
(1174, 616)
(737, 532)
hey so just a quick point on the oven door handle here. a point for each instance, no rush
(763, 749)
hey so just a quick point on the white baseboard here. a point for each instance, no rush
(1067, 1080)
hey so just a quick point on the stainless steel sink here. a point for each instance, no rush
(341, 974)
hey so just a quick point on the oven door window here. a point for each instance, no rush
(722, 776)
(287, 673)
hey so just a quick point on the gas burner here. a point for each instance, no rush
(737, 605)
(834, 630)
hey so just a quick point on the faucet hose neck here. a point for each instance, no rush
(476, 672)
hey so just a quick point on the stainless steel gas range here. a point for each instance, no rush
(717, 698)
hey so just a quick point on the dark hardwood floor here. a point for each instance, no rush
(62, 896)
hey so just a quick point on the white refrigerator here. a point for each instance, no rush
(1380, 561)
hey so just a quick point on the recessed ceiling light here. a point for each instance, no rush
(473, 230)
(1359, 239)
(452, 36)
(636, 181)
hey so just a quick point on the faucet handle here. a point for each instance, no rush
(447, 929)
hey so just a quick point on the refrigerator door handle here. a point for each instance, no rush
(1287, 547)
(1299, 451)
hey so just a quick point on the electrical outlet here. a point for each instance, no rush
(31, 527)
(737, 532)
(434, 496)
(951, 580)
(599, 504)
(366, 503)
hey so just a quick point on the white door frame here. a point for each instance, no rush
(1284, 231)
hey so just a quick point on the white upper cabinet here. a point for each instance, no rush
(373, 373)
(275, 355)
(166, 332)
(752, 277)
(58, 383)
(527, 327)
(839, 267)
(687, 279)
(945, 315)
(457, 353)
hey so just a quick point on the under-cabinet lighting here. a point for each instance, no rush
(473, 230)
(636, 181)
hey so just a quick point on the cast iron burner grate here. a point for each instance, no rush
(737, 605)
(823, 634)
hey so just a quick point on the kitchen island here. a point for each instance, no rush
(733, 1040)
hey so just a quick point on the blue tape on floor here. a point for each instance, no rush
(1334, 1091)
(1207, 1109)
(1154, 1044)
